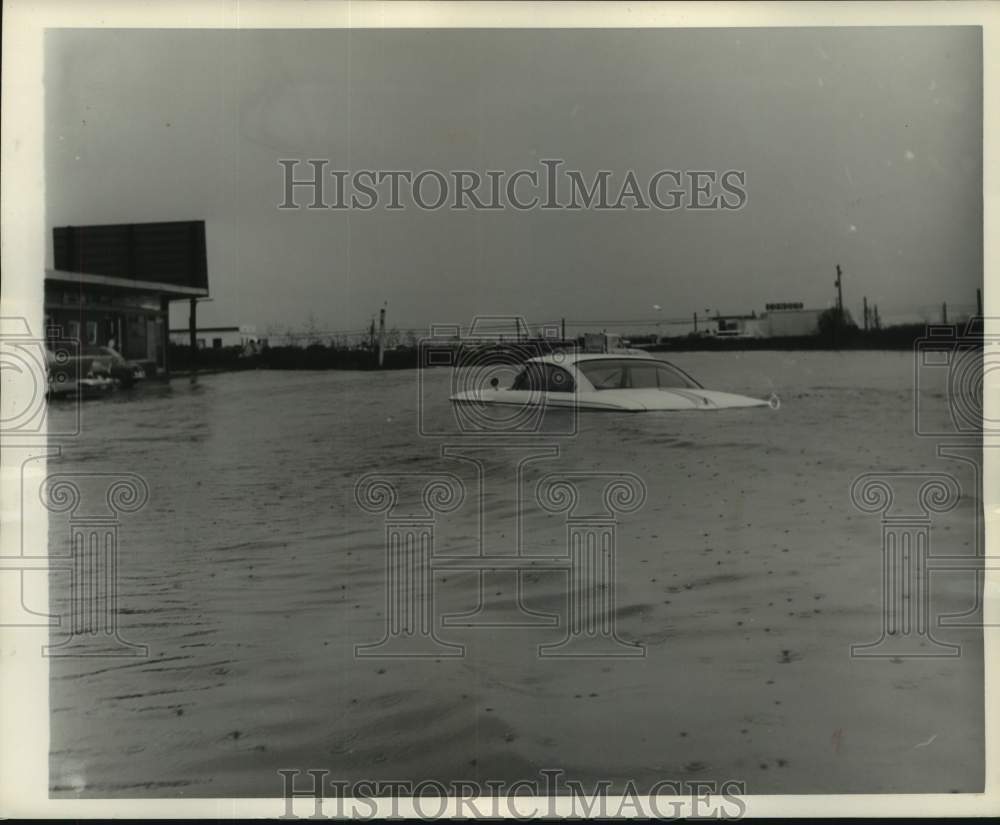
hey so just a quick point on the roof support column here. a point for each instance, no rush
(193, 332)
(165, 334)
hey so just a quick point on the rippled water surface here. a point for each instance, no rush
(252, 573)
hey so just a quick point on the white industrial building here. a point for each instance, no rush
(218, 337)
(780, 320)
(791, 319)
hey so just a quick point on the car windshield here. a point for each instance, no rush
(625, 374)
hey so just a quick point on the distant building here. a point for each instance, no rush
(779, 320)
(739, 326)
(112, 285)
(785, 320)
(218, 337)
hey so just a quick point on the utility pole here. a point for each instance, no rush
(695, 316)
(944, 312)
(193, 332)
(878, 321)
(381, 335)
(840, 294)
(562, 324)
(865, 312)
(979, 303)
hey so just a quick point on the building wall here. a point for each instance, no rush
(787, 323)
(740, 327)
(132, 324)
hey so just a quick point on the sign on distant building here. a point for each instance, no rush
(784, 306)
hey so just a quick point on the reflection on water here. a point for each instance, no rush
(252, 574)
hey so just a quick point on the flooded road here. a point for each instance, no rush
(252, 574)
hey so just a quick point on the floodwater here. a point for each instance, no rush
(745, 575)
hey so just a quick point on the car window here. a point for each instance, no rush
(604, 375)
(557, 379)
(543, 378)
(613, 374)
(531, 379)
(642, 377)
(670, 377)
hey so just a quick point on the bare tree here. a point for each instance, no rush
(312, 330)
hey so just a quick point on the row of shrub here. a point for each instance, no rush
(325, 356)
(320, 356)
(902, 337)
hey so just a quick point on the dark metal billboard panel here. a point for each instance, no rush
(170, 253)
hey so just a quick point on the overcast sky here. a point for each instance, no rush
(861, 147)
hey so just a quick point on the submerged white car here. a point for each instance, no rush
(605, 381)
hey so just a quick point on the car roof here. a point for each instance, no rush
(563, 358)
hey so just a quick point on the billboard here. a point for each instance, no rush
(167, 253)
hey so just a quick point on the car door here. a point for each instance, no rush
(559, 386)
